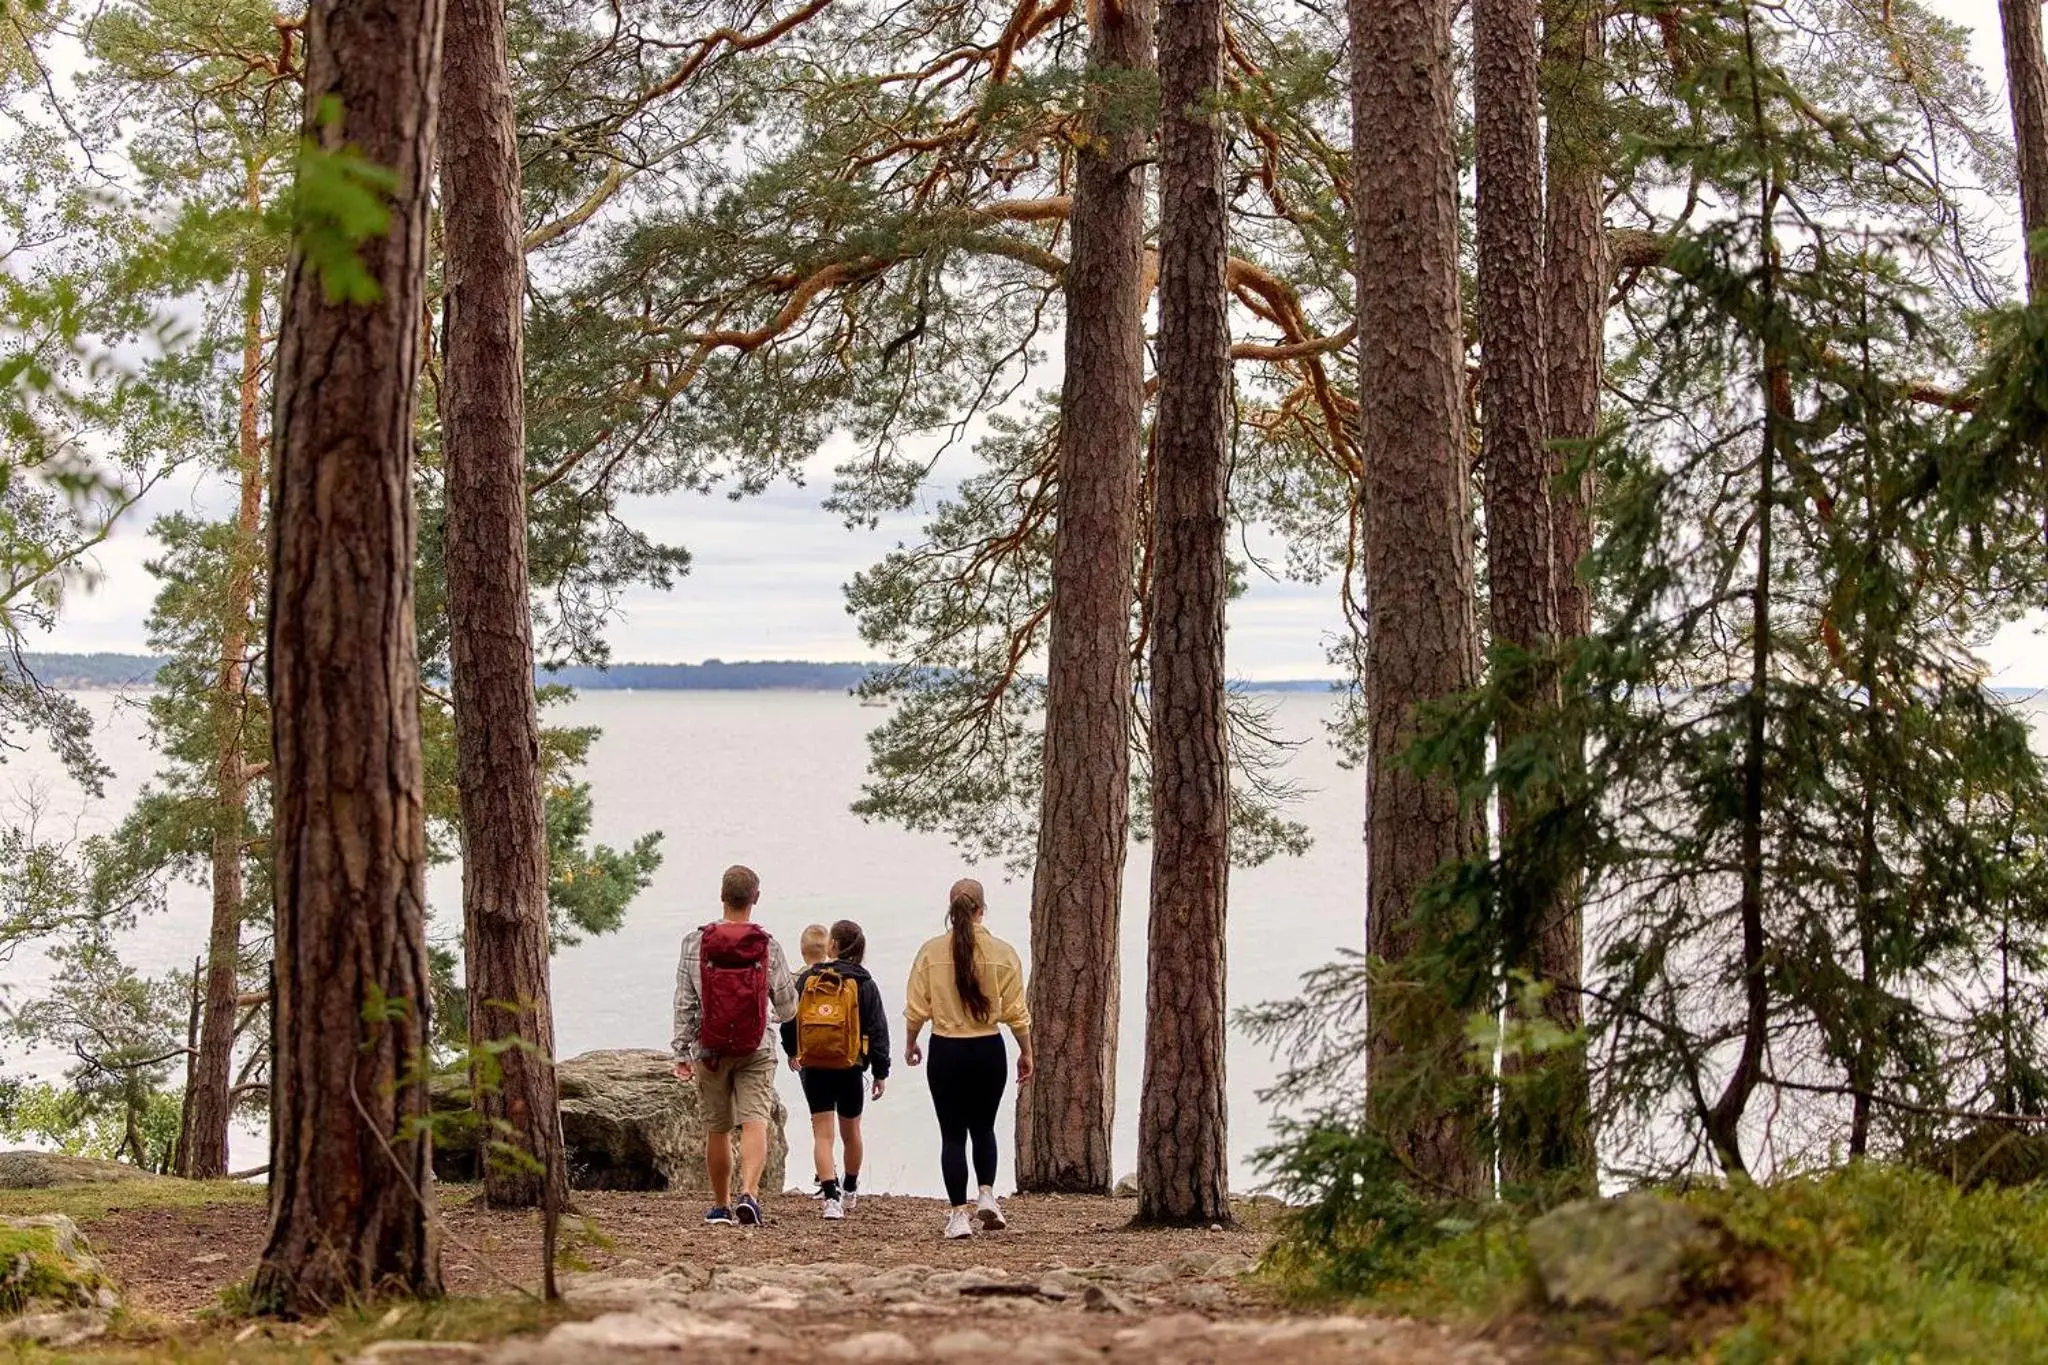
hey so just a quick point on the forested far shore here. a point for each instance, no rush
(95, 672)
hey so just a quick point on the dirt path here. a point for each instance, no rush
(1068, 1282)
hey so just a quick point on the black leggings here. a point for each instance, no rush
(967, 1077)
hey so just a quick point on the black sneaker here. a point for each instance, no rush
(750, 1211)
(721, 1214)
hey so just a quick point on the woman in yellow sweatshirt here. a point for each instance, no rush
(964, 983)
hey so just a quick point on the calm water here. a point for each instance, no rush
(765, 779)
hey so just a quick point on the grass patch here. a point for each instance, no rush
(97, 1199)
(1875, 1263)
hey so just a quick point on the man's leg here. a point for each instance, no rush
(753, 1157)
(714, 1107)
(718, 1162)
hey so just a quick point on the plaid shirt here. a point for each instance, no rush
(690, 996)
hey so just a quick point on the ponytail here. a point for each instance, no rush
(967, 902)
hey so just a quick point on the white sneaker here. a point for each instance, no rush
(847, 1199)
(957, 1225)
(833, 1211)
(990, 1213)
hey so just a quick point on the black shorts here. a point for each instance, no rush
(842, 1091)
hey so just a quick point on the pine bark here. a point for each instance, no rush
(497, 725)
(1575, 263)
(1183, 1150)
(1064, 1115)
(209, 1107)
(2026, 79)
(1576, 266)
(351, 1175)
(1417, 550)
(1522, 593)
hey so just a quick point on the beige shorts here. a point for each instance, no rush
(740, 1090)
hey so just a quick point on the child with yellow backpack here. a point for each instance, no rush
(839, 1033)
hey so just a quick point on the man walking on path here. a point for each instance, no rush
(732, 975)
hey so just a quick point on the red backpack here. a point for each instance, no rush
(735, 989)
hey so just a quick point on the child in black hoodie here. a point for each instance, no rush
(838, 1094)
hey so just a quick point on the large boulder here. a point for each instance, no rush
(627, 1122)
(1627, 1255)
(52, 1288)
(40, 1170)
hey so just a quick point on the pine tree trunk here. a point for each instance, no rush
(1575, 264)
(1183, 1151)
(1536, 1124)
(497, 727)
(1064, 1115)
(203, 1144)
(1417, 551)
(1575, 324)
(351, 1177)
(2026, 79)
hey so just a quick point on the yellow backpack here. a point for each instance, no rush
(828, 1023)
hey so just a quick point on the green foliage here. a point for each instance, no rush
(339, 200)
(70, 1121)
(1873, 1263)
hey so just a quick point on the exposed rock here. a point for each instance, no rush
(627, 1122)
(41, 1170)
(1127, 1188)
(874, 1348)
(655, 1329)
(972, 1344)
(1097, 1299)
(1627, 1255)
(1151, 1275)
(1045, 1348)
(69, 1327)
(420, 1353)
(46, 1267)
(1157, 1338)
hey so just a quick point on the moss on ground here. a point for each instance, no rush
(1869, 1263)
(34, 1271)
(86, 1202)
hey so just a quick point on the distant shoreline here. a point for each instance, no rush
(111, 672)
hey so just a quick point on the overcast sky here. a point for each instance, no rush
(768, 571)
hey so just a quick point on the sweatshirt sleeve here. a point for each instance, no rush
(1010, 982)
(917, 1004)
(788, 1026)
(874, 1022)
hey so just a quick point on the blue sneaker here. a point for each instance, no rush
(750, 1211)
(721, 1214)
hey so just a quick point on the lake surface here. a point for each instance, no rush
(765, 778)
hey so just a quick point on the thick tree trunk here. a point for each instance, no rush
(1575, 319)
(1183, 1152)
(1417, 552)
(351, 1176)
(1575, 264)
(1064, 1115)
(497, 728)
(203, 1144)
(2026, 79)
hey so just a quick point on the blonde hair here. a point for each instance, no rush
(816, 943)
